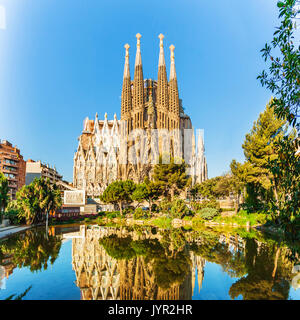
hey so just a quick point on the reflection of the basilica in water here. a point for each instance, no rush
(100, 276)
(141, 263)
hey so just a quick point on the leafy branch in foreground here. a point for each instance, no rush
(283, 77)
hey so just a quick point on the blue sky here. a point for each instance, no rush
(62, 60)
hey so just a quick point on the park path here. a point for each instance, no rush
(7, 231)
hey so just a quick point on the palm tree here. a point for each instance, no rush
(38, 199)
(4, 198)
(53, 200)
(28, 203)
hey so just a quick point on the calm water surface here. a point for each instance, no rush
(78, 262)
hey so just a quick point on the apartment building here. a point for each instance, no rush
(13, 166)
(36, 169)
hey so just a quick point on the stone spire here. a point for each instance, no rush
(162, 88)
(126, 103)
(173, 86)
(126, 66)
(161, 61)
(172, 58)
(138, 87)
(138, 57)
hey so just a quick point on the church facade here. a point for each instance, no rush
(153, 123)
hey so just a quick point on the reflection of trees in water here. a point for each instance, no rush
(265, 267)
(32, 248)
(168, 259)
(140, 263)
(20, 296)
(212, 250)
(268, 273)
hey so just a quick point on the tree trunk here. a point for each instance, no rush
(172, 194)
(47, 225)
(237, 203)
(120, 206)
(276, 198)
(276, 262)
(150, 207)
(1, 209)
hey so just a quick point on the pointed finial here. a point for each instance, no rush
(138, 57)
(172, 68)
(126, 66)
(161, 37)
(161, 61)
(96, 115)
(138, 37)
(172, 48)
(105, 116)
(115, 116)
(127, 46)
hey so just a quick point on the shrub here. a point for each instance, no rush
(140, 214)
(197, 221)
(113, 214)
(227, 209)
(165, 206)
(208, 213)
(154, 207)
(128, 211)
(179, 209)
(12, 215)
(163, 222)
(243, 217)
(198, 206)
(99, 220)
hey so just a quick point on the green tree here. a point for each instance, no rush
(259, 149)
(179, 208)
(207, 188)
(283, 77)
(28, 204)
(4, 198)
(139, 194)
(194, 191)
(223, 186)
(37, 199)
(286, 181)
(52, 199)
(237, 181)
(149, 191)
(171, 177)
(119, 192)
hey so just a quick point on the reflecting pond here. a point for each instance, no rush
(95, 262)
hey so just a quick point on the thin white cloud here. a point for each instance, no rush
(2, 18)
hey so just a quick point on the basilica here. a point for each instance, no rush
(153, 124)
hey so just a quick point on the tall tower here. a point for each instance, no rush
(162, 89)
(173, 94)
(126, 101)
(138, 88)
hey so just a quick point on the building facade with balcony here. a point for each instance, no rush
(13, 166)
(36, 169)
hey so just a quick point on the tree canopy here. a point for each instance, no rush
(119, 192)
(4, 198)
(36, 199)
(171, 177)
